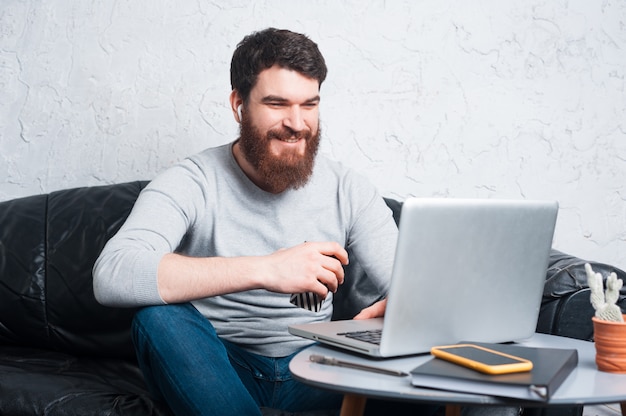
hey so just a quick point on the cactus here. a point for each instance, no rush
(605, 302)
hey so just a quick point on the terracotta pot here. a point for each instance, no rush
(610, 341)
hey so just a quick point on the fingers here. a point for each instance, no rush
(328, 274)
(309, 267)
(334, 257)
(335, 250)
(374, 311)
(323, 262)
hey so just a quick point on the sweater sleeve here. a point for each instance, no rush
(125, 273)
(371, 244)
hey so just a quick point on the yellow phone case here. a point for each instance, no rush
(447, 352)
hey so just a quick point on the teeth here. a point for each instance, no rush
(290, 140)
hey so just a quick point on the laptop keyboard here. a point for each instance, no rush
(371, 336)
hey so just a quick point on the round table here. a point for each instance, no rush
(585, 385)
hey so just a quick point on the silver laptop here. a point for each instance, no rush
(464, 269)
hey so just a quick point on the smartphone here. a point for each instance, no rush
(482, 359)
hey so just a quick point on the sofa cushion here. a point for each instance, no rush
(40, 382)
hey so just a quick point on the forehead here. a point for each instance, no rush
(285, 84)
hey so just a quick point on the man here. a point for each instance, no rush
(215, 246)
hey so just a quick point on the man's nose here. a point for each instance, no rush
(294, 119)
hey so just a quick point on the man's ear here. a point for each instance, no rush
(236, 104)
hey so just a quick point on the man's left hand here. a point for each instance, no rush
(375, 311)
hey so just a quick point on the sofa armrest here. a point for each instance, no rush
(565, 307)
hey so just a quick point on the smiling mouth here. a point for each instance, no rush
(289, 136)
(290, 139)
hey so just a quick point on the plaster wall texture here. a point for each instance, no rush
(488, 98)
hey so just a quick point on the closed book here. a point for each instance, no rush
(551, 366)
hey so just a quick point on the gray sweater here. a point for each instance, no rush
(206, 206)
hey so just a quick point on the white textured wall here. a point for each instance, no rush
(481, 98)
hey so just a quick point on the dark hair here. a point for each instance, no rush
(262, 50)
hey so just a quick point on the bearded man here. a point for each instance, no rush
(215, 246)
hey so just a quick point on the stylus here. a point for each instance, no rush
(320, 359)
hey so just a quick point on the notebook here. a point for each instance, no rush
(463, 269)
(551, 366)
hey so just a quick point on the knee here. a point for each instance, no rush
(172, 331)
(162, 318)
(175, 320)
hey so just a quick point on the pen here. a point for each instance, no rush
(320, 359)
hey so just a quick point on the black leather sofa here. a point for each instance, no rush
(62, 353)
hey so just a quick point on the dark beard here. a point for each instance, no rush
(278, 173)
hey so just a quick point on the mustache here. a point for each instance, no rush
(286, 133)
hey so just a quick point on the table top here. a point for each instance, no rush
(585, 385)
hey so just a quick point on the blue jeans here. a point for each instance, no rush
(186, 364)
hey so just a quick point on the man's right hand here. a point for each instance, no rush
(309, 267)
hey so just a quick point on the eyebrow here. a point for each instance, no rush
(278, 99)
